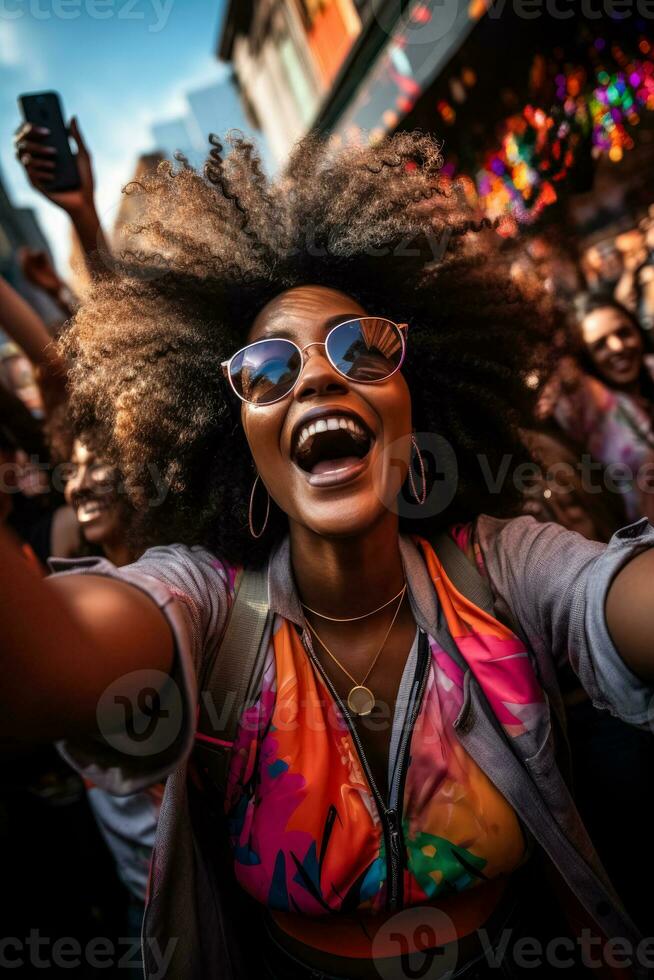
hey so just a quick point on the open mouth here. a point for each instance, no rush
(332, 448)
(90, 509)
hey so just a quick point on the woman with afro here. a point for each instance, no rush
(328, 374)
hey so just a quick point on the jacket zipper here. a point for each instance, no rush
(388, 815)
(395, 801)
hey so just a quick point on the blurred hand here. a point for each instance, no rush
(39, 158)
(569, 373)
(38, 269)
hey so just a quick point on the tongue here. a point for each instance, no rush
(329, 465)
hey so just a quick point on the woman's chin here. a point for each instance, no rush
(96, 532)
(344, 518)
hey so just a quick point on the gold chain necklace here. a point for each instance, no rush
(354, 619)
(361, 700)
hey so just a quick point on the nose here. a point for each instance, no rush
(78, 482)
(318, 376)
(615, 344)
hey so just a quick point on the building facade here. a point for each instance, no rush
(542, 119)
(286, 56)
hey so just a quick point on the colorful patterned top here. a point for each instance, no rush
(617, 431)
(309, 832)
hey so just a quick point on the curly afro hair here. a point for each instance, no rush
(380, 224)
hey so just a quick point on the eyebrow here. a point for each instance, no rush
(333, 321)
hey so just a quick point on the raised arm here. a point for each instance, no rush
(27, 329)
(38, 268)
(65, 640)
(37, 157)
(25, 326)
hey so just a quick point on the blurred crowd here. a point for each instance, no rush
(78, 859)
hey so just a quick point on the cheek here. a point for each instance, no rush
(262, 429)
(395, 410)
(114, 519)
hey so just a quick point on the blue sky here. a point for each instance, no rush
(119, 65)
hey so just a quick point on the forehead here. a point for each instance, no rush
(304, 312)
(81, 453)
(600, 323)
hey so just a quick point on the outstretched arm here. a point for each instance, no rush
(64, 641)
(581, 603)
(630, 614)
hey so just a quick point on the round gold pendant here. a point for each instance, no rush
(360, 700)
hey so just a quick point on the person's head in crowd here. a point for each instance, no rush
(17, 373)
(93, 490)
(244, 264)
(632, 246)
(613, 344)
(603, 265)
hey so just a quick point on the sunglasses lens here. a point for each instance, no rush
(369, 349)
(265, 371)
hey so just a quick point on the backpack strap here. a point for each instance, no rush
(231, 675)
(466, 578)
(463, 574)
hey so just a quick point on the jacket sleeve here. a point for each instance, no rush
(193, 590)
(553, 583)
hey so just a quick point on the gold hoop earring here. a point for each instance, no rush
(421, 497)
(257, 534)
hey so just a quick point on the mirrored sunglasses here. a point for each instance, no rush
(366, 350)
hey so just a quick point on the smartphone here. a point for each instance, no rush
(44, 109)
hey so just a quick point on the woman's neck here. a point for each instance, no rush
(347, 576)
(117, 551)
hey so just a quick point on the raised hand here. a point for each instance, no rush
(39, 161)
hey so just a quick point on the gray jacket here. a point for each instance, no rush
(551, 583)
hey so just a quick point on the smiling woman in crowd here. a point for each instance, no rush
(280, 369)
(93, 491)
(609, 408)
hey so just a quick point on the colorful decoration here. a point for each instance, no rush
(538, 149)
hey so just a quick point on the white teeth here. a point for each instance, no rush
(89, 510)
(332, 423)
